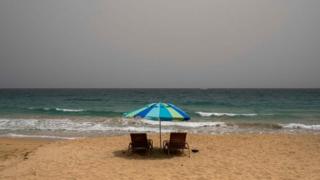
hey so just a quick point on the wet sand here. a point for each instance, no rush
(234, 156)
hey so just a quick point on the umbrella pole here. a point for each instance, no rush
(160, 132)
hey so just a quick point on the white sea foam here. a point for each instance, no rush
(33, 108)
(69, 125)
(69, 110)
(25, 126)
(209, 114)
(57, 109)
(141, 129)
(37, 136)
(185, 124)
(300, 126)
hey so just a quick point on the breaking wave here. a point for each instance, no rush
(37, 136)
(186, 124)
(23, 127)
(301, 126)
(209, 114)
(57, 109)
(70, 125)
(69, 111)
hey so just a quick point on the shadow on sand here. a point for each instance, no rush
(157, 153)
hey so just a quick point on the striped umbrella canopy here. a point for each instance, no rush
(159, 112)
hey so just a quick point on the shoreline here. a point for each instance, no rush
(55, 137)
(74, 126)
(227, 156)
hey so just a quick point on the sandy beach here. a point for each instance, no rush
(235, 156)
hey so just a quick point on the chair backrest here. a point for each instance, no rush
(177, 140)
(139, 140)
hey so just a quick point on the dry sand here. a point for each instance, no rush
(237, 156)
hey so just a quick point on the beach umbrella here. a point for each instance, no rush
(159, 112)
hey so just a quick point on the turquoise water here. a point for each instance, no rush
(99, 111)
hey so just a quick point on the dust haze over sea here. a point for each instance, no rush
(67, 113)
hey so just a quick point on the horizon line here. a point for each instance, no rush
(21, 88)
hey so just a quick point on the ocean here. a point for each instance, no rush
(71, 113)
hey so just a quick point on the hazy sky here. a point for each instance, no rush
(160, 43)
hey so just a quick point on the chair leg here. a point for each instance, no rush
(129, 148)
(187, 146)
(165, 148)
(150, 149)
(150, 142)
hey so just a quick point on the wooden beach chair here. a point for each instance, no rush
(139, 142)
(177, 142)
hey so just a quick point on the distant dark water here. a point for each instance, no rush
(211, 110)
